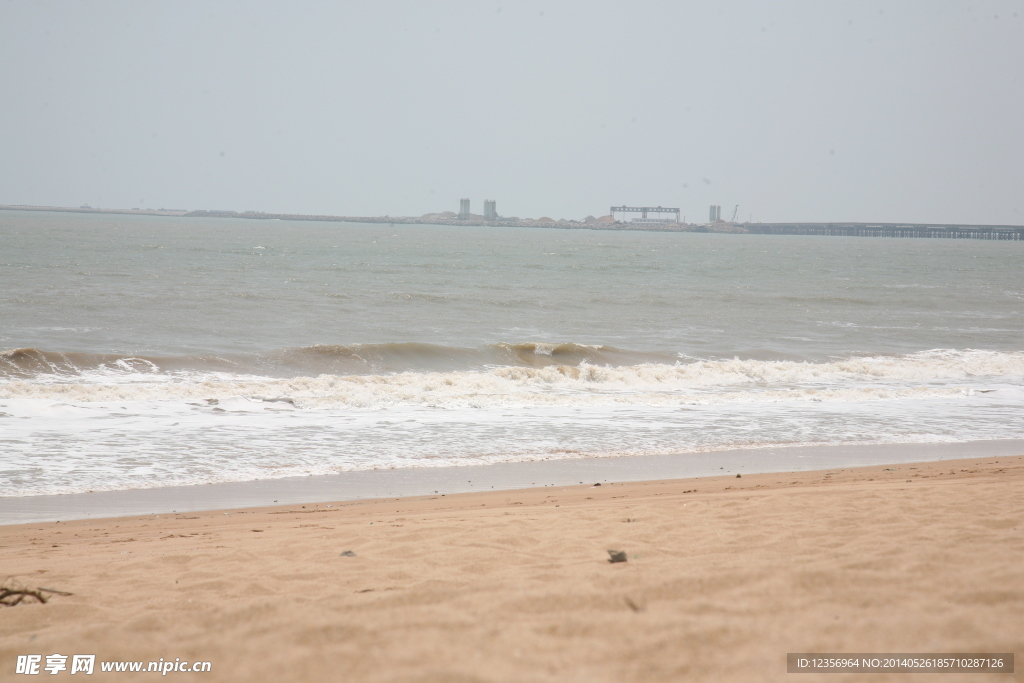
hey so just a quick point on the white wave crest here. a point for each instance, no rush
(703, 382)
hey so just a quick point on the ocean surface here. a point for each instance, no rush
(148, 351)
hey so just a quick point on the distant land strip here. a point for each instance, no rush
(876, 229)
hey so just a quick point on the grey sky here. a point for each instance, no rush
(864, 110)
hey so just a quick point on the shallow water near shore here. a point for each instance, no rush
(150, 351)
(437, 481)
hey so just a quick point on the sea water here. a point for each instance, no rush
(141, 351)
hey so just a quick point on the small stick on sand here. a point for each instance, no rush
(12, 593)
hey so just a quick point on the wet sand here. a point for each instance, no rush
(418, 481)
(724, 576)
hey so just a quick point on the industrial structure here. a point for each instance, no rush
(644, 210)
(490, 210)
(716, 213)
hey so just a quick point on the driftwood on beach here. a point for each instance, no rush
(12, 594)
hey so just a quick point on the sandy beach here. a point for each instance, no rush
(724, 576)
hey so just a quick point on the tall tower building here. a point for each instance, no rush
(463, 209)
(490, 210)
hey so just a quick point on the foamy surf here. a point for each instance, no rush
(56, 366)
(931, 373)
(118, 424)
(142, 444)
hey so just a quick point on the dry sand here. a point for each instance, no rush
(725, 576)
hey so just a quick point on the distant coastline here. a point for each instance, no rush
(443, 218)
(835, 229)
(89, 209)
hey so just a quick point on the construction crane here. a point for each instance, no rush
(734, 212)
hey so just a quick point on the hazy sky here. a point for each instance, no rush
(865, 110)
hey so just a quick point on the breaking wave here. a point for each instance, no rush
(564, 375)
(335, 359)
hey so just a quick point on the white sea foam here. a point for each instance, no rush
(59, 447)
(127, 433)
(703, 382)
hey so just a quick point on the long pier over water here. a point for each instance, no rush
(948, 231)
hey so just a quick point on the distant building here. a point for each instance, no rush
(490, 210)
(716, 213)
(644, 210)
(463, 209)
